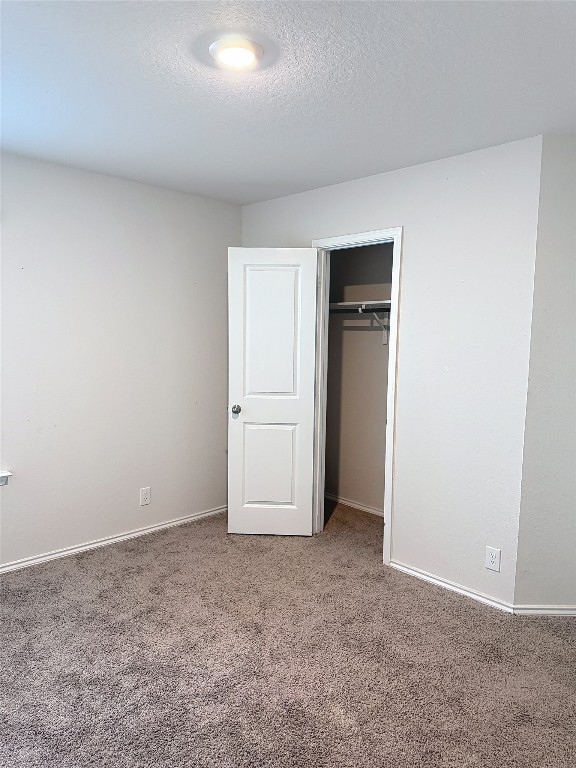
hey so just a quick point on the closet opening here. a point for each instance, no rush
(357, 378)
(355, 398)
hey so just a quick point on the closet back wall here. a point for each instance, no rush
(114, 355)
(357, 379)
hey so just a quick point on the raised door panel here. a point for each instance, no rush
(270, 484)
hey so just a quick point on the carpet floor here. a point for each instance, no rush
(190, 648)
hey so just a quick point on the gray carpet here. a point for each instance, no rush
(189, 648)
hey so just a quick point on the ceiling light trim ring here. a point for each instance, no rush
(236, 52)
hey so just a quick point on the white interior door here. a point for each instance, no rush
(272, 338)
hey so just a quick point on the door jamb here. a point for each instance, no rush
(320, 388)
(325, 245)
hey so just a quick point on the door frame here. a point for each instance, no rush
(325, 246)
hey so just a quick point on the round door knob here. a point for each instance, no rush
(236, 409)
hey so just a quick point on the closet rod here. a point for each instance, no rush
(360, 307)
(365, 308)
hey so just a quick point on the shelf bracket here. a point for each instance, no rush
(384, 327)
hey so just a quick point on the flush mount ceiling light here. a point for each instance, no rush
(236, 53)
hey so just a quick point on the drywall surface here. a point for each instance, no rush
(357, 378)
(464, 339)
(114, 355)
(546, 568)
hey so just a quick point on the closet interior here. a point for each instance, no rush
(357, 376)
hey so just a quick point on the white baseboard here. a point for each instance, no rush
(517, 610)
(65, 551)
(545, 610)
(479, 596)
(520, 610)
(355, 504)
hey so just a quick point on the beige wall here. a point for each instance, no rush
(464, 340)
(113, 354)
(546, 570)
(357, 379)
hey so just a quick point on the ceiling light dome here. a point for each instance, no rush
(236, 53)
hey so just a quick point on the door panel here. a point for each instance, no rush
(271, 340)
(275, 487)
(272, 336)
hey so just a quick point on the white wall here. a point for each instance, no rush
(546, 569)
(114, 354)
(466, 303)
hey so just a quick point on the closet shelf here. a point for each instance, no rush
(365, 308)
(361, 307)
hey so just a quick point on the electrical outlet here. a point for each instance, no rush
(144, 496)
(493, 559)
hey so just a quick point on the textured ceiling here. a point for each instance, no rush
(350, 88)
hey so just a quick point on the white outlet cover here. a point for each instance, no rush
(492, 561)
(144, 496)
